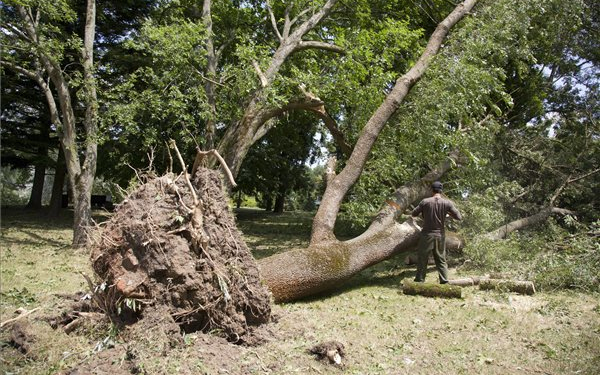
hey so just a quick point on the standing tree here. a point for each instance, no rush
(38, 47)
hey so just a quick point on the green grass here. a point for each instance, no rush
(384, 331)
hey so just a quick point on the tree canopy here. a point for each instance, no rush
(514, 89)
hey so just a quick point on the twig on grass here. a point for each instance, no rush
(22, 313)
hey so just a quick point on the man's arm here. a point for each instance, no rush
(453, 211)
(417, 211)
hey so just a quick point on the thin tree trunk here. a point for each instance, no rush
(85, 180)
(338, 187)
(37, 190)
(212, 58)
(268, 202)
(60, 172)
(279, 203)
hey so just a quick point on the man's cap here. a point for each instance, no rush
(437, 186)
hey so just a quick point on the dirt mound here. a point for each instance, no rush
(166, 245)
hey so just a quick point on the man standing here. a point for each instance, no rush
(434, 210)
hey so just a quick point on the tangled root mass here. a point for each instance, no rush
(163, 246)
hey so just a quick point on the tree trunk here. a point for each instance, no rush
(279, 203)
(238, 200)
(338, 186)
(303, 272)
(255, 123)
(521, 287)
(280, 200)
(82, 213)
(37, 190)
(60, 172)
(268, 202)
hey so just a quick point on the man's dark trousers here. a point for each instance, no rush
(436, 244)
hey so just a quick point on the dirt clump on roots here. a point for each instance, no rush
(169, 248)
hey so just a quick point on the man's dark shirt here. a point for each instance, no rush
(434, 210)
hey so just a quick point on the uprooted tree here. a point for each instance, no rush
(172, 242)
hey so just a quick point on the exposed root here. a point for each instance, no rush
(174, 242)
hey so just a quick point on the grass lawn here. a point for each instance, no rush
(383, 331)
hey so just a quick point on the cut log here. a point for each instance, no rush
(517, 286)
(467, 281)
(431, 290)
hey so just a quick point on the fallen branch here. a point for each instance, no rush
(431, 290)
(22, 313)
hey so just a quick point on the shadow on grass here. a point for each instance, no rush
(35, 239)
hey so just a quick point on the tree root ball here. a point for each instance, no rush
(166, 246)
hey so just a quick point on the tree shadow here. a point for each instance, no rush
(36, 240)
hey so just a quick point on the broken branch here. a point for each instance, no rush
(22, 313)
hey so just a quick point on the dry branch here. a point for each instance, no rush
(22, 314)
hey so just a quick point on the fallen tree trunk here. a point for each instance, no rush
(413, 288)
(517, 286)
(302, 272)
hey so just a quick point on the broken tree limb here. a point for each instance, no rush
(517, 286)
(413, 288)
(539, 217)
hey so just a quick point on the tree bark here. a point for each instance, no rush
(279, 203)
(37, 190)
(84, 182)
(303, 272)
(212, 58)
(521, 287)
